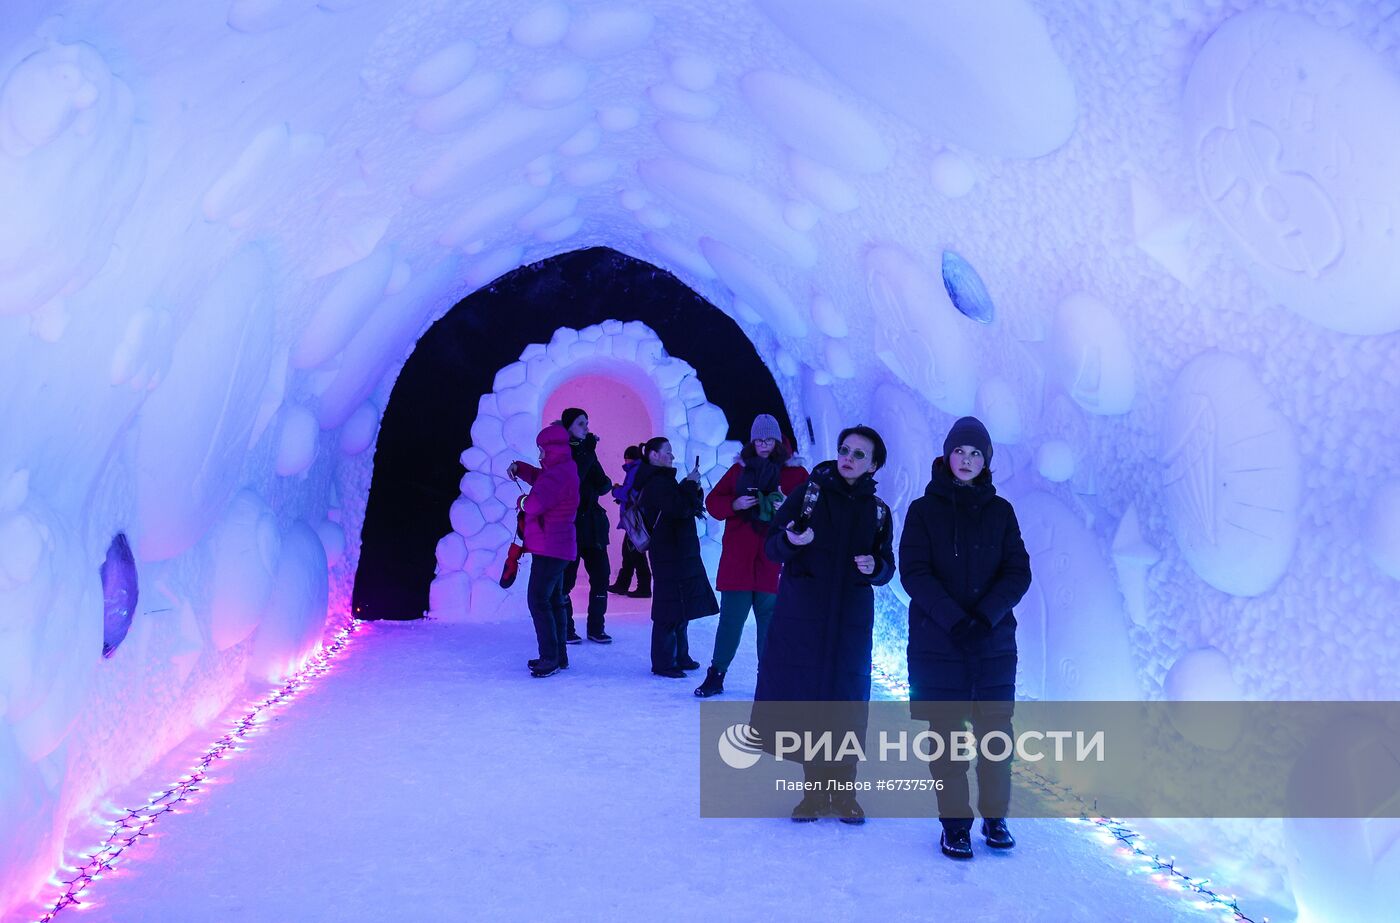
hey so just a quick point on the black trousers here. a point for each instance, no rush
(545, 596)
(670, 644)
(596, 565)
(633, 561)
(960, 698)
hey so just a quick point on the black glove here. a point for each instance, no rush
(971, 630)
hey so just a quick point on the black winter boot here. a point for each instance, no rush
(996, 834)
(846, 809)
(713, 684)
(956, 844)
(812, 807)
(543, 668)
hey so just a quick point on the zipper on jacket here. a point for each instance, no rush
(955, 520)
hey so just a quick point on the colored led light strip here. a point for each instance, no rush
(1132, 844)
(1163, 871)
(133, 825)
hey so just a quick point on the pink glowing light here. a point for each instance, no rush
(133, 825)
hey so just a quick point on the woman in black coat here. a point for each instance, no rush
(833, 537)
(964, 566)
(680, 588)
(591, 524)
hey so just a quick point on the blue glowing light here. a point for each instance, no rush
(119, 594)
(966, 289)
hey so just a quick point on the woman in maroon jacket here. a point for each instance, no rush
(552, 541)
(745, 499)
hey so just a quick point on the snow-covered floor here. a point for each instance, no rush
(429, 777)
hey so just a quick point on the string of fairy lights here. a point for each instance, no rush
(1130, 843)
(127, 830)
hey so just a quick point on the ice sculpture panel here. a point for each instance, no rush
(1289, 126)
(1233, 475)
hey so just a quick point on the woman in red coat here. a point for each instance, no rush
(745, 499)
(550, 537)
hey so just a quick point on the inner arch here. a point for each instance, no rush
(427, 421)
(623, 411)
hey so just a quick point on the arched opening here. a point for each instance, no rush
(428, 419)
(611, 359)
(627, 415)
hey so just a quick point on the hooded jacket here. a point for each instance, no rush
(552, 505)
(591, 522)
(961, 554)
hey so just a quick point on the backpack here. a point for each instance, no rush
(631, 521)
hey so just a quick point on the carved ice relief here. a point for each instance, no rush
(1232, 475)
(1291, 126)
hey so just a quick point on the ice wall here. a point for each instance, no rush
(225, 224)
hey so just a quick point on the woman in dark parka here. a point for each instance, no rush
(680, 588)
(819, 643)
(964, 566)
(591, 525)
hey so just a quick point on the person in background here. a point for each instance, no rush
(964, 566)
(550, 538)
(834, 538)
(591, 524)
(633, 561)
(745, 499)
(679, 585)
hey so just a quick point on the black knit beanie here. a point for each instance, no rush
(571, 414)
(969, 431)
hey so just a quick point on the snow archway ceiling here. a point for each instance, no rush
(225, 224)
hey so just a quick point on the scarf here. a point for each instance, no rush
(761, 474)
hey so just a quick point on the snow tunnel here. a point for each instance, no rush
(285, 283)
